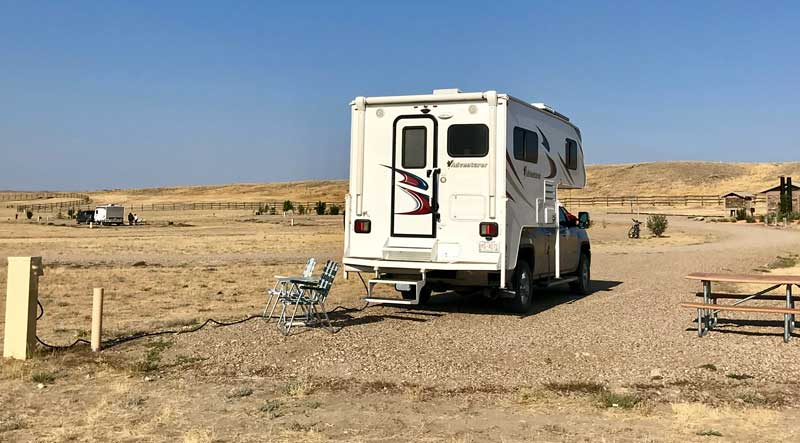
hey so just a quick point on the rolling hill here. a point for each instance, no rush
(657, 178)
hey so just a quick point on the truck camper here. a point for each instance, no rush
(459, 191)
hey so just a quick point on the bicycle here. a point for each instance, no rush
(633, 232)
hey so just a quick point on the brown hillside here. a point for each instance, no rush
(683, 178)
(658, 178)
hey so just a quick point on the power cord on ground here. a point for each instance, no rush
(121, 340)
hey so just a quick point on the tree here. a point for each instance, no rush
(288, 206)
(320, 207)
(657, 224)
(334, 210)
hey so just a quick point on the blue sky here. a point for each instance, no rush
(148, 93)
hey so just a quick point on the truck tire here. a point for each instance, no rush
(424, 295)
(523, 289)
(583, 285)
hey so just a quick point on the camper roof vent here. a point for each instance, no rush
(547, 108)
(446, 91)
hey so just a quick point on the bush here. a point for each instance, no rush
(320, 208)
(334, 210)
(287, 206)
(71, 212)
(301, 209)
(272, 210)
(29, 214)
(657, 224)
(741, 214)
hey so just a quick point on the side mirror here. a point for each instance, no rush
(583, 220)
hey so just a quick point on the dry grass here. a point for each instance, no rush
(298, 387)
(684, 178)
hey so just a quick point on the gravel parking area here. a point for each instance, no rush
(628, 331)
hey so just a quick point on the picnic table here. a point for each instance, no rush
(708, 311)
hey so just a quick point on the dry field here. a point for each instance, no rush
(622, 364)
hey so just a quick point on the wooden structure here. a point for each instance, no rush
(737, 200)
(708, 311)
(773, 198)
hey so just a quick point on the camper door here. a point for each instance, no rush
(414, 186)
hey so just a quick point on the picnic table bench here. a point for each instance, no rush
(708, 310)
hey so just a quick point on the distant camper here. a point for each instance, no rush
(109, 215)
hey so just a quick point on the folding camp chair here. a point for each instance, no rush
(311, 298)
(283, 286)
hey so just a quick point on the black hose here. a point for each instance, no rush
(121, 340)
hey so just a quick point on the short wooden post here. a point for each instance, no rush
(97, 318)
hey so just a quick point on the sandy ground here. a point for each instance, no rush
(622, 364)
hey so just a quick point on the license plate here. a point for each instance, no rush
(488, 246)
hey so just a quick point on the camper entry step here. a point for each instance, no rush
(416, 285)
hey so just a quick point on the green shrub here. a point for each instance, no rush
(657, 224)
(320, 207)
(334, 210)
(301, 209)
(29, 214)
(609, 399)
(741, 214)
(287, 206)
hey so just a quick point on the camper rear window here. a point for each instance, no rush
(468, 140)
(572, 154)
(414, 138)
(526, 145)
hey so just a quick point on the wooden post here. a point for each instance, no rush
(97, 318)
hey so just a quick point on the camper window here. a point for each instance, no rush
(414, 155)
(526, 145)
(468, 140)
(572, 154)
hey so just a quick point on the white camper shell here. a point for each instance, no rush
(443, 185)
(109, 215)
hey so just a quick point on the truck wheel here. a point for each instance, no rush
(424, 295)
(583, 285)
(523, 297)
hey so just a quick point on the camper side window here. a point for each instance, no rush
(572, 154)
(414, 147)
(526, 145)
(468, 140)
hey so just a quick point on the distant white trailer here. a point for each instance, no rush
(454, 190)
(109, 215)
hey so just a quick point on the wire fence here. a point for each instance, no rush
(657, 200)
(26, 196)
(309, 207)
(269, 207)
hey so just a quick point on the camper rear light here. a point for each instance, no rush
(363, 226)
(488, 229)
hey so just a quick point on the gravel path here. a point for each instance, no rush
(628, 330)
